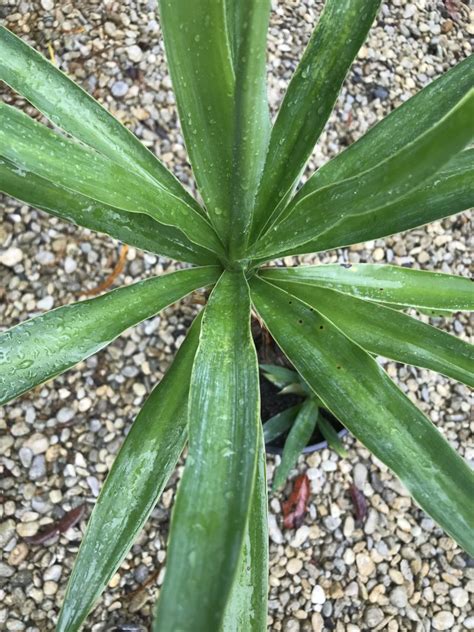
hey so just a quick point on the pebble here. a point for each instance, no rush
(119, 89)
(373, 616)
(134, 53)
(274, 530)
(301, 536)
(443, 620)
(37, 443)
(18, 554)
(48, 5)
(294, 566)
(27, 529)
(37, 470)
(398, 597)
(64, 415)
(7, 531)
(70, 265)
(360, 475)
(11, 257)
(317, 622)
(6, 570)
(318, 595)
(364, 564)
(459, 597)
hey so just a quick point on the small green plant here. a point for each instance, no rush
(329, 320)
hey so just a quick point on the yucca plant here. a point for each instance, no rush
(329, 320)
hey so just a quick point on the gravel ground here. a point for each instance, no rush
(395, 571)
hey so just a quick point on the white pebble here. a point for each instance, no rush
(70, 265)
(11, 257)
(135, 53)
(45, 303)
(443, 620)
(318, 595)
(48, 5)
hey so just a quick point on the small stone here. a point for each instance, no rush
(373, 616)
(318, 595)
(6, 442)
(360, 475)
(37, 470)
(365, 565)
(45, 303)
(27, 529)
(48, 5)
(119, 89)
(459, 596)
(317, 622)
(18, 554)
(70, 265)
(7, 531)
(370, 525)
(50, 588)
(26, 456)
(53, 573)
(135, 53)
(37, 443)
(443, 620)
(294, 566)
(300, 538)
(378, 254)
(11, 257)
(398, 597)
(8, 571)
(85, 404)
(274, 532)
(64, 415)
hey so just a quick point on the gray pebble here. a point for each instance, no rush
(119, 89)
(373, 616)
(398, 597)
(5, 570)
(7, 531)
(37, 470)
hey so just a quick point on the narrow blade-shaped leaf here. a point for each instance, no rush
(389, 333)
(135, 229)
(388, 284)
(199, 57)
(279, 423)
(298, 437)
(279, 375)
(247, 607)
(310, 98)
(376, 188)
(449, 191)
(34, 148)
(329, 433)
(214, 499)
(359, 393)
(133, 486)
(252, 119)
(69, 107)
(398, 129)
(47, 345)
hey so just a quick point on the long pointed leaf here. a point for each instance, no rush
(69, 107)
(34, 148)
(47, 345)
(136, 480)
(398, 129)
(374, 189)
(386, 332)
(391, 285)
(252, 119)
(214, 499)
(279, 423)
(247, 607)
(310, 98)
(200, 61)
(361, 395)
(134, 229)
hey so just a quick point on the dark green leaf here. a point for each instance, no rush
(360, 394)
(279, 423)
(279, 375)
(136, 480)
(391, 285)
(69, 107)
(34, 148)
(310, 98)
(386, 332)
(47, 345)
(331, 436)
(134, 229)
(298, 437)
(214, 499)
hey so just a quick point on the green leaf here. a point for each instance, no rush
(297, 440)
(45, 346)
(359, 393)
(392, 285)
(200, 62)
(133, 486)
(247, 606)
(252, 119)
(69, 107)
(33, 147)
(279, 375)
(310, 98)
(449, 191)
(391, 334)
(214, 499)
(279, 423)
(333, 439)
(375, 189)
(134, 229)
(398, 129)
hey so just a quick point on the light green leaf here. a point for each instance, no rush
(330, 435)
(279, 423)
(310, 98)
(34, 148)
(214, 499)
(247, 606)
(359, 393)
(252, 119)
(449, 191)
(279, 375)
(69, 107)
(134, 229)
(133, 486)
(47, 345)
(375, 189)
(398, 129)
(391, 285)
(391, 334)
(298, 437)
(200, 61)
